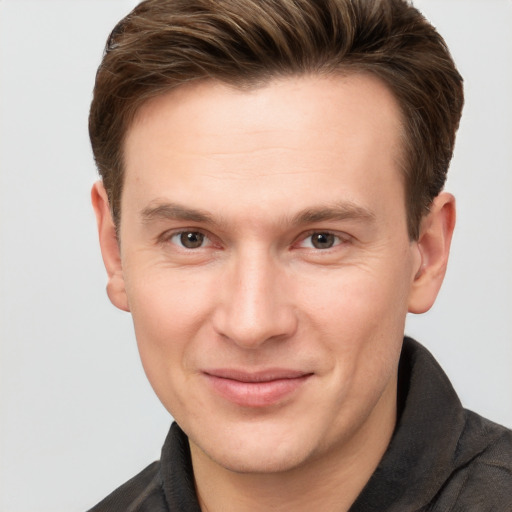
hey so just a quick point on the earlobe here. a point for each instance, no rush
(434, 242)
(109, 247)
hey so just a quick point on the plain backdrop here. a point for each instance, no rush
(77, 415)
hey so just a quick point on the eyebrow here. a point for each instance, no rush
(174, 211)
(345, 210)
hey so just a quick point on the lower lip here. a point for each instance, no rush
(256, 394)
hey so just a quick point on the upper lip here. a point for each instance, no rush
(267, 375)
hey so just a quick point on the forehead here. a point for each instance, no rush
(211, 106)
(208, 140)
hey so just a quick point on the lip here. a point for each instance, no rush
(256, 389)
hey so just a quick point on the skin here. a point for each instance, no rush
(254, 178)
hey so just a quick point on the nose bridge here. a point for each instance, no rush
(254, 307)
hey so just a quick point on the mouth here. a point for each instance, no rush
(256, 389)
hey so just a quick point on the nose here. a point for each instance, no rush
(255, 305)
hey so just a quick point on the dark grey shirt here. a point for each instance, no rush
(442, 458)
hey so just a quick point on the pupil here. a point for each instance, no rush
(192, 240)
(323, 240)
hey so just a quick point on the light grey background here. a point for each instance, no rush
(77, 415)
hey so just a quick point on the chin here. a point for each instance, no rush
(260, 460)
(253, 449)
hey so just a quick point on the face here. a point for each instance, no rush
(266, 262)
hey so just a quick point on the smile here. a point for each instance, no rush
(260, 389)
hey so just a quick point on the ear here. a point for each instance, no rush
(109, 247)
(436, 232)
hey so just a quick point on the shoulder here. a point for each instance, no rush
(482, 476)
(141, 493)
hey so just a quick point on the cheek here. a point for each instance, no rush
(164, 301)
(360, 315)
(168, 312)
(356, 300)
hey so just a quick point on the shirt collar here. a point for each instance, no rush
(420, 456)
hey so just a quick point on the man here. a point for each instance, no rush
(270, 209)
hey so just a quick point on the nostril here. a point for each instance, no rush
(253, 328)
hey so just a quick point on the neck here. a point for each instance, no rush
(328, 482)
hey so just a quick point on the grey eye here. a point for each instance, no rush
(189, 239)
(323, 240)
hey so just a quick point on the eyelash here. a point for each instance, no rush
(168, 237)
(339, 239)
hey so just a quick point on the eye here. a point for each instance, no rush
(321, 240)
(189, 239)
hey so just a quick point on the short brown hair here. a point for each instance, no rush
(162, 44)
